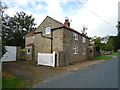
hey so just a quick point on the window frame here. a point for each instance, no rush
(84, 39)
(75, 50)
(33, 36)
(83, 50)
(75, 36)
(28, 52)
(46, 30)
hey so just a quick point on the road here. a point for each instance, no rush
(101, 75)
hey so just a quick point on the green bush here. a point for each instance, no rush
(23, 50)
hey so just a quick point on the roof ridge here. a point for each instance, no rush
(56, 20)
(67, 27)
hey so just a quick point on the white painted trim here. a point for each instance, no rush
(27, 51)
(38, 58)
(76, 50)
(75, 35)
(49, 57)
(46, 29)
(53, 58)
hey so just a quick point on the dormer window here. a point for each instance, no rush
(47, 30)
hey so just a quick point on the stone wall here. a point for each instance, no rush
(91, 52)
(42, 44)
(29, 56)
(29, 40)
(69, 42)
(18, 52)
(62, 43)
(61, 59)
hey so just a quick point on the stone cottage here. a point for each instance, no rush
(52, 35)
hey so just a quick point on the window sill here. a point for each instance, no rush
(75, 53)
(47, 33)
(76, 39)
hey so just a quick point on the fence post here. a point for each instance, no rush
(53, 58)
(38, 58)
(57, 61)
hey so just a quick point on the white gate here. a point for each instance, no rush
(46, 59)
(10, 55)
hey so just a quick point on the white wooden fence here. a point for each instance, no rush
(46, 59)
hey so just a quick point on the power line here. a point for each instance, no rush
(95, 14)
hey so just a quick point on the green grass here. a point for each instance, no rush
(103, 57)
(10, 81)
(115, 53)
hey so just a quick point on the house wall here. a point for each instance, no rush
(30, 56)
(62, 43)
(42, 44)
(29, 40)
(91, 52)
(69, 42)
(18, 50)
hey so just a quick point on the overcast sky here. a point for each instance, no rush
(100, 16)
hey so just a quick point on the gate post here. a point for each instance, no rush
(38, 58)
(53, 58)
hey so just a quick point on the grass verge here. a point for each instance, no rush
(115, 53)
(103, 57)
(11, 81)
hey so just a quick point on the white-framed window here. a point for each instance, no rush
(28, 50)
(33, 36)
(75, 36)
(47, 30)
(84, 39)
(75, 50)
(83, 50)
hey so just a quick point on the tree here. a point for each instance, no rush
(97, 41)
(117, 38)
(2, 14)
(110, 44)
(14, 28)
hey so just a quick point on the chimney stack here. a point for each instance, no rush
(67, 23)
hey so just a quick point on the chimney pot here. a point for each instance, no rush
(67, 23)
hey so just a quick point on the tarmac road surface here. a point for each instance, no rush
(101, 75)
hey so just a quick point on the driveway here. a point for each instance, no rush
(101, 75)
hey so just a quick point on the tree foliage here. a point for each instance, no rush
(117, 38)
(104, 43)
(2, 43)
(14, 28)
(97, 42)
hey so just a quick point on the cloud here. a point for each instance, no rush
(106, 11)
(101, 25)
